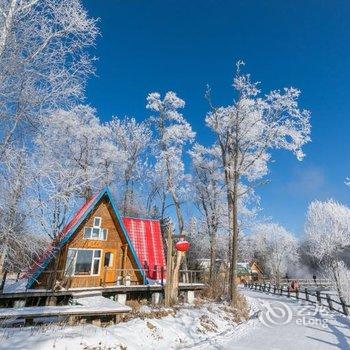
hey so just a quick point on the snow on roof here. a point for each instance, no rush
(146, 237)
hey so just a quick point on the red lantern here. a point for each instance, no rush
(182, 245)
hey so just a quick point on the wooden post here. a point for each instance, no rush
(288, 292)
(125, 255)
(318, 297)
(344, 306)
(306, 295)
(329, 301)
(162, 275)
(175, 281)
(104, 276)
(297, 293)
(169, 266)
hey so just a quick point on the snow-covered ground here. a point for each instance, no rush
(210, 326)
(188, 326)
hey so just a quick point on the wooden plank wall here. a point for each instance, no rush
(115, 243)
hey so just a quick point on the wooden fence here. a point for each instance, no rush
(307, 282)
(303, 294)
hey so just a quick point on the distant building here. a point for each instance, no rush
(246, 271)
(249, 272)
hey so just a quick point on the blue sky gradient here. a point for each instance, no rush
(181, 45)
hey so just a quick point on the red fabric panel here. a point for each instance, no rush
(146, 238)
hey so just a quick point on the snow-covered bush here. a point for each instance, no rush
(327, 237)
(276, 248)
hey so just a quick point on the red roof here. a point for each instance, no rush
(146, 238)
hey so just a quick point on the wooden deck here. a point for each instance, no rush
(109, 308)
(107, 289)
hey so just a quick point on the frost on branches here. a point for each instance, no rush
(43, 61)
(275, 247)
(327, 239)
(208, 195)
(172, 134)
(247, 131)
(132, 141)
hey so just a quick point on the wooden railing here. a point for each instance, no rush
(316, 298)
(306, 282)
(49, 277)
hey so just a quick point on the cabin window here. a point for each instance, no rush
(82, 262)
(96, 232)
(87, 232)
(97, 222)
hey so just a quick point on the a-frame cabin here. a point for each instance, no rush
(94, 249)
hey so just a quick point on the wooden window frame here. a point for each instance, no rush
(92, 262)
(93, 222)
(100, 232)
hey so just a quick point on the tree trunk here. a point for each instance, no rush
(233, 227)
(212, 256)
(175, 285)
(169, 267)
(3, 258)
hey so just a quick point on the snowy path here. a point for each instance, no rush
(324, 330)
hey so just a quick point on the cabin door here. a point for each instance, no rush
(109, 266)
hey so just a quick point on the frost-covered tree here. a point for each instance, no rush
(44, 61)
(247, 131)
(14, 179)
(275, 247)
(132, 141)
(208, 195)
(73, 158)
(327, 236)
(78, 140)
(172, 134)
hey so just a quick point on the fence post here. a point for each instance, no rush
(306, 295)
(344, 306)
(288, 292)
(318, 297)
(329, 301)
(104, 276)
(297, 293)
(162, 275)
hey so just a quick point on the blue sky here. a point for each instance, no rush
(183, 45)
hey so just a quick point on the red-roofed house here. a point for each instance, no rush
(97, 247)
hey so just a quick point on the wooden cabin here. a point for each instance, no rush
(96, 249)
(249, 272)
